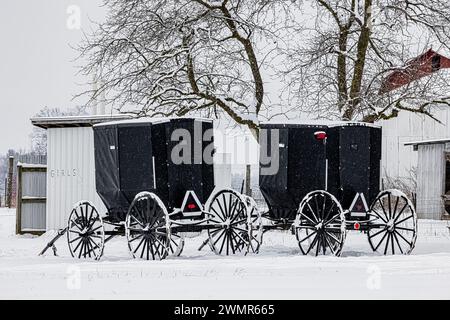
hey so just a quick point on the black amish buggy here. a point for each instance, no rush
(327, 176)
(152, 197)
(328, 182)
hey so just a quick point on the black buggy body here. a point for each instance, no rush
(156, 179)
(346, 164)
(328, 182)
(135, 155)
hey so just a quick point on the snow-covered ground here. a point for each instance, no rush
(278, 272)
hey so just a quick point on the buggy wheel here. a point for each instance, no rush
(176, 244)
(147, 228)
(85, 232)
(393, 223)
(320, 224)
(255, 223)
(228, 214)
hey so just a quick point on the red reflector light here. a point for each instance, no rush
(320, 135)
(191, 206)
(357, 226)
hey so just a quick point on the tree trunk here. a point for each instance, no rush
(10, 182)
(363, 43)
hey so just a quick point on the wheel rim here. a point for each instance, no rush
(176, 244)
(230, 212)
(320, 224)
(146, 228)
(393, 226)
(255, 223)
(85, 232)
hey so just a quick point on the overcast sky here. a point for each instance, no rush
(36, 61)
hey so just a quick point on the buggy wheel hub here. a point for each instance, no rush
(227, 223)
(390, 225)
(319, 226)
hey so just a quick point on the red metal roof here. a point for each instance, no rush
(417, 68)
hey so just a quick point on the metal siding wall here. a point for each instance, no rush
(70, 174)
(430, 181)
(397, 159)
(222, 170)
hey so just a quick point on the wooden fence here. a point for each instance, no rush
(31, 198)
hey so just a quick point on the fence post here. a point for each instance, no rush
(248, 190)
(10, 184)
(19, 200)
(6, 189)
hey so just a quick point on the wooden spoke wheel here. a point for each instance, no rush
(85, 232)
(393, 225)
(147, 229)
(231, 232)
(320, 224)
(176, 244)
(255, 223)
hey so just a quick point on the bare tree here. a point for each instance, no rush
(38, 136)
(337, 67)
(175, 57)
(406, 184)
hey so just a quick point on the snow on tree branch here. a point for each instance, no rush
(337, 68)
(177, 57)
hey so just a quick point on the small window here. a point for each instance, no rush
(436, 63)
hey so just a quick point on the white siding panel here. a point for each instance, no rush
(430, 181)
(407, 157)
(403, 125)
(389, 156)
(222, 170)
(398, 160)
(416, 124)
(70, 173)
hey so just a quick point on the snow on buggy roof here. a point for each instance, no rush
(149, 120)
(327, 123)
(77, 121)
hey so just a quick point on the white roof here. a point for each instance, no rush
(430, 141)
(328, 123)
(148, 120)
(76, 121)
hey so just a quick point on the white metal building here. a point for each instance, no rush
(433, 177)
(399, 160)
(71, 165)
